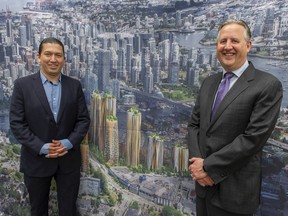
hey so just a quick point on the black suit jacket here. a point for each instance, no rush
(231, 144)
(33, 124)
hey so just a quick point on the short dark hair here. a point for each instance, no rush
(50, 40)
(248, 34)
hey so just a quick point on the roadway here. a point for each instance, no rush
(128, 197)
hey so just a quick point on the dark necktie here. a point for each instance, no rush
(221, 92)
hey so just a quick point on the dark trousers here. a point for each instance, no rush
(204, 208)
(67, 192)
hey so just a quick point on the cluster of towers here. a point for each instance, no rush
(104, 126)
(104, 134)
(98, 54)
(104, 129)
(101, 60)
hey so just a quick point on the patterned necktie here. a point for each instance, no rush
(221, 92)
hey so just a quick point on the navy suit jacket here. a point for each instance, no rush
(231, 144)
(33, 124)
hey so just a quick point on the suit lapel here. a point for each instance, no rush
(64, 96)
(40, 93)
(211, 94)
(241, 84)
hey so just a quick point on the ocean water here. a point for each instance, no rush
(13, 5)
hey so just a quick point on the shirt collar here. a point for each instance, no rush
(44, 79)
(240, 70)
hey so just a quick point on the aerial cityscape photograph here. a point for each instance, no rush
(141, 64)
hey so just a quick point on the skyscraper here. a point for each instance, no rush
(101, 107)
(173, 75)
(104, 58)
(129, 55)
(116, 88)
(121, 64)
(164, 50)
(137, 43)
(23, 35)
(190, 73)
(148, 79)
(133, 137)
(29, 31)
(181, 157)
(9, 29)
(155, 152)
(156, 68)
(134, 76)
(111, 150)
(145, 60)
(91, 83)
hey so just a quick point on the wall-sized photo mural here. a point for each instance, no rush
(141, 65)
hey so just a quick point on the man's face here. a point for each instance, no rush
(232, 48)
(51, 60)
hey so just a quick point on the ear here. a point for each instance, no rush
(38, 58)
(249, 45)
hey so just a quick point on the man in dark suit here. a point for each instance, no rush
(225, 146)
(49, 118)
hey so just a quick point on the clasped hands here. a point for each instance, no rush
(198, 173)
(56, 149)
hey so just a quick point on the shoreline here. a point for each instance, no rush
(250, 54)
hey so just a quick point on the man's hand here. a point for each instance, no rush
(198, 173)
(206, 181)
(56, 149)
(196, 168)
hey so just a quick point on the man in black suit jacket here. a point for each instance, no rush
(49, 118)
(225, 148)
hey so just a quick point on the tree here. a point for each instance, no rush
(276, 134)
(135, 205)
(169, 211)
(120, 197)
(112, 198)
(110, 213)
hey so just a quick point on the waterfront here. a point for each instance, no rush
(266, 64)
(192, 40)
(13, 5)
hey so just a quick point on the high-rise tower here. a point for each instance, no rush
(9, 29)
(181, 158)
(101, 107)
(104, 59)
(111, 151)
(155, 152)
(173, 75)
(133, 137)
(23, 35)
